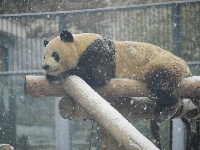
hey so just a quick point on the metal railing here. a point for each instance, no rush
(172, 26)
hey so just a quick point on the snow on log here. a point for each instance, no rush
(123, 131)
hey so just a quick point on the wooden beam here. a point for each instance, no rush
(135, 107)
(39, 86)
(130, 108)
(117, 93)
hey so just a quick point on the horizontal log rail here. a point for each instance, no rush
(38, 86)
(129, 97)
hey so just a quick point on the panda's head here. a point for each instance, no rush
(60, 54)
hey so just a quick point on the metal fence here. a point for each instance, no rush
(174, 26)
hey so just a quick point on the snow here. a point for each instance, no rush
(189, 104)
(193, 79)
(175, 24)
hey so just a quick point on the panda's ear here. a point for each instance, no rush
(45, 42)
(66, 36)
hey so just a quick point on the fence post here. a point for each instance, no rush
(64, 144)
(12, 116)
(176, 29)
(176, 43)
(62, 22)
(5, 59)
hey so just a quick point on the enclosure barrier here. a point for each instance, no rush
(95, 107)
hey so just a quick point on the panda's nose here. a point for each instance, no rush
(45, 67)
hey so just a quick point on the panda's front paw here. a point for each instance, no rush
(54, 79)
(165, 114)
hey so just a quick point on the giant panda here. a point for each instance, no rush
(97, 59)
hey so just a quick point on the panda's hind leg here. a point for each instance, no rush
(163, 84)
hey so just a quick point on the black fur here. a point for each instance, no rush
(56, 56)
(61, 77)
(45, 42)
(66, 36)
(163, 85)
(96, 65)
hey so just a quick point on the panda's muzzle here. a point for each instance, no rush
(46, 67)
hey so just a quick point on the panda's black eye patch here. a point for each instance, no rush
(56, 56)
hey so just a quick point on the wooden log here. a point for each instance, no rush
(121, 130)
(190, 88)
(39, 86)
(107, 141)
(135, 107)
(70, 109)
(130, 108)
